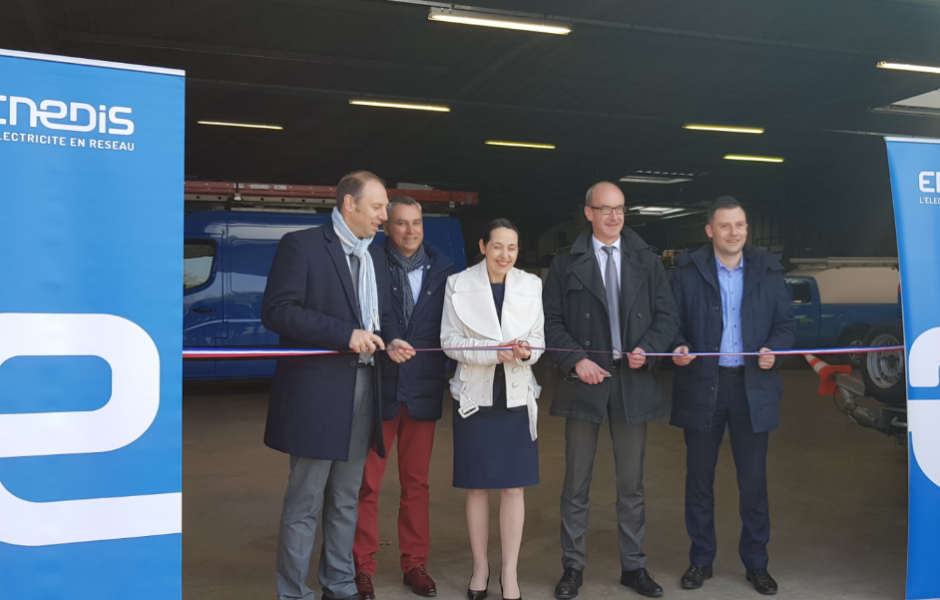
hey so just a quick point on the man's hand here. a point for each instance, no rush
(589, 371)
(364, 341)
(637, 358)
(685, 359)
(400, 351)
(520, 349)
(767, 361)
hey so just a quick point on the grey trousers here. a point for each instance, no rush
(334, 486)
(629, 449)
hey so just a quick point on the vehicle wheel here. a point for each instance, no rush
(852, 336)
(883, 372)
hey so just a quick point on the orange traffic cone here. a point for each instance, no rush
(826, 372)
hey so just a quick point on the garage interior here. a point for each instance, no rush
(838, 503)
(613, 98)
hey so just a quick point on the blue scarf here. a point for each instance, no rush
(368, 289)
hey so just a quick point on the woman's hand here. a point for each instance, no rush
(520, 349)
(505, 356)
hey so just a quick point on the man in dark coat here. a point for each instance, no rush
(412, 398)
(607, 301)
(325, 291)
(731, 298)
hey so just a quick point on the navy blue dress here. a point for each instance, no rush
(493, 449)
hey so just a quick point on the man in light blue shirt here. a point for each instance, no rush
(737, 290)
(731, 282)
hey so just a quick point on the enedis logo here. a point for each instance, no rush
(929, 182)
(56, 115)
(83, 116)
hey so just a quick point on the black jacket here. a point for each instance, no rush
(766, 321)
(419, 382)
(576, 318)
(309, 302)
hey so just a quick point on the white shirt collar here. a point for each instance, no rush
(599, 244)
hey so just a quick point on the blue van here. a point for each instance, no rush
(226, 261)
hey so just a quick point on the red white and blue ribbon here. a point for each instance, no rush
(221, 353)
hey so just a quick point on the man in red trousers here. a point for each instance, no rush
(412, 396)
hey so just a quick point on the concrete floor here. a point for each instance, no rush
(838, 496)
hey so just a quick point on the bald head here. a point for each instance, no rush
(602, 188)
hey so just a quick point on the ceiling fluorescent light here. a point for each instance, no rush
(906, 67)
(683, 213)
(663, 212)
(484, 19)
(912, 111)
(654, 179)
(724, 128)
(769, 159)
(654, 211)
(232, 124)
(520, 144)
(405, 105)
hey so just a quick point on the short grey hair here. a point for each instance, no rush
(402, 201)
(590, 195)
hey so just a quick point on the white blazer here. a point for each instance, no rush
(470, 320)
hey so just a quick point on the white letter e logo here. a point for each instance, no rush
(135, 400)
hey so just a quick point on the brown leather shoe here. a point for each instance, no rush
(420, 582)
(364, 586)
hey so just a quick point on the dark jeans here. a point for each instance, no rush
(750, 461)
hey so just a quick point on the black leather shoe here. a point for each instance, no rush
(480, 594)
(762, 581)
(641, 581)
(503, 594)
(695, 577)
(571, 580)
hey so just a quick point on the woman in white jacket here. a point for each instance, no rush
(493, 304)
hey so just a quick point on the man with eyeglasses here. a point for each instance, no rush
(607, 302)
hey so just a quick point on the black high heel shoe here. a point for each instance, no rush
(479, 594)
(501, 590)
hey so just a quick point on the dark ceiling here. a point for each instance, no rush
(612, 96)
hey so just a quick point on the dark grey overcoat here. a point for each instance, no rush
(576, 319)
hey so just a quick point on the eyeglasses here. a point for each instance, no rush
(606, 210)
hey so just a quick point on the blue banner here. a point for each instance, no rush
(915, 185)
(91, 221)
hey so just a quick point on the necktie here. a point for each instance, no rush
(612, 283)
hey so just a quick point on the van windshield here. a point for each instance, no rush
(198, 260)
